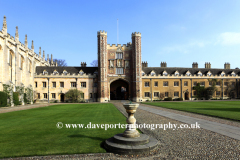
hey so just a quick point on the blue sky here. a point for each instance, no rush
(173, 31)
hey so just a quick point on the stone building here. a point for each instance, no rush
(120, 74)
(17, 61)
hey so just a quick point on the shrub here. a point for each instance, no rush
(15, 98)
(179, 99)
(3, 99)
(55, 101)
(25, 98)
(168, 99)
(74, 95)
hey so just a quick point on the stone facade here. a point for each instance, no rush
(120, 74)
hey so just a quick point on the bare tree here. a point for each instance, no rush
(94, 63)
(60, 62)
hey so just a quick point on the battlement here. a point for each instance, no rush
(102, 33)
(136, 34)
(115, 46)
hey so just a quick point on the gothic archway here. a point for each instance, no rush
(119, 90)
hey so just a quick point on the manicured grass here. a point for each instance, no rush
(223, 109)
(34, 132)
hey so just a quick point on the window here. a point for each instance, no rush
(119, 70)
(36, 84)
(73, 84)
(225, 93)
(82, 95)
(165, 83)
(21, 63)
(10, 59)
(152, 74)
(225, 83)
(156, 84)
(55, 72)
(233, 84)
(202, 83)
(147, 94)
(176, 74)
(176, 94)
(210, 83)
(186, 83)
(54, 84)
(62, 84)
(156, 94)
(45, 95)
(166, 94)
(90, 95)
(83, 84)
(217, 93)
(38, 95)
(44, 84)
(218, 83)
(194, 93)
(65, 72)
(30, 66)
(176, 83)
(194, 83)
(53, 95)
(119, 55)
(146, 84)
(95, 84)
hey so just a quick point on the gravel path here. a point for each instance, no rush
(173, 144)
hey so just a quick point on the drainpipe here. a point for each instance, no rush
(191, 89)
(237, 86)
(222, 88)
(151, 88)
(181, 86)
(48, 90)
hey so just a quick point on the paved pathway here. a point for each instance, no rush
(227, 130)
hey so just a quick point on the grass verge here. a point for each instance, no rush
(222, 109)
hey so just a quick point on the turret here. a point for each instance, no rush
(43, 55)
(40, 54)
(51, 60)
(26, 42)
(16, 35)
(4, 29)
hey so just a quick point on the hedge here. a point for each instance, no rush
(3, 99)
(168, 99)
(15, 98)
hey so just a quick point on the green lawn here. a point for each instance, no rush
(223, 109)
(34, 132)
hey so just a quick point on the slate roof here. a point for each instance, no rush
(71, 70)
(172, 70)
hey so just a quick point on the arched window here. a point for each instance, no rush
(10, 58)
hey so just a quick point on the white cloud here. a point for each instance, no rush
(229, 38)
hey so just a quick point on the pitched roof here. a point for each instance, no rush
(171, 70)
(71, 70)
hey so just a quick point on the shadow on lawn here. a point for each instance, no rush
(221, 109)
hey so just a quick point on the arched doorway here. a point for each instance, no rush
(62, 96)
(119, 90)
(186, 95)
